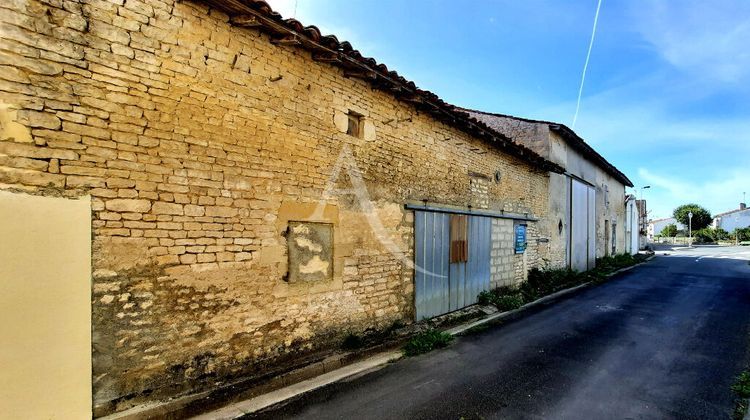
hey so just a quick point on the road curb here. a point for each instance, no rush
(380, 360)
(260, 402)
(508, 314)
(539, 302)
(372, 363)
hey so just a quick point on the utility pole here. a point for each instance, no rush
(690, 229)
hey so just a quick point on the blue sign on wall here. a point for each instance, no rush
(520, 238)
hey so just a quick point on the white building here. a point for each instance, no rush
(586, 203)
(730, 220)
(632, 227)
(657, 225)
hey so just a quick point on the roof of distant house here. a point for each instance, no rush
(570, 136)
(731, 212)
(327, 48)
(661, 220)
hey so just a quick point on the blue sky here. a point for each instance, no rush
(667, 94)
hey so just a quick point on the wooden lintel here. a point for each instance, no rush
(413, 98)
(246, 21)
(287, 40)
(361, 74)
(326, 58)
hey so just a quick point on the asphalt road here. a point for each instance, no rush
(663, 341)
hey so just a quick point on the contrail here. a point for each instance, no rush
(586, 65)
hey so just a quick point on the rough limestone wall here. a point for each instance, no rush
(533, 135)
(611, 206)
(198, 143)
(508, 268)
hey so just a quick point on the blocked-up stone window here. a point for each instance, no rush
(480, 187)
(310, 246)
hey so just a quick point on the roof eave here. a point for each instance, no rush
(341, 54)
(590, 153)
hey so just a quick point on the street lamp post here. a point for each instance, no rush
(643, 188)
(690, 229)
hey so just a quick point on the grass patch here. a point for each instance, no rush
(741, 389)
(427, 341)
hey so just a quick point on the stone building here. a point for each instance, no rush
(586, 203)
(255, 191)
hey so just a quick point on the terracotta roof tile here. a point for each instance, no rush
(388, 80)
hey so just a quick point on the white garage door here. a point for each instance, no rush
(582, 226)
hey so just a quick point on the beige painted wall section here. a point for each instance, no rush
(610, 198)
(45, 307)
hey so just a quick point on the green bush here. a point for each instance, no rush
(427, 341)
(704, 236)
(615, 262)
(741, 234)
(544, 282)
(669, 230)
(741, 389)
(742, 386)
(509, 302)
(541, 283)
(486, 297)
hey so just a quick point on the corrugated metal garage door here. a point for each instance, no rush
(442, 287)
(582, 226)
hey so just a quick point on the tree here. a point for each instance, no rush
(701, 217)
(669, 231)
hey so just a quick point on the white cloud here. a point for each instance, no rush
(706, 38)
(703, 158)
(720, 193)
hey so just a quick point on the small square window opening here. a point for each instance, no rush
(355, 124)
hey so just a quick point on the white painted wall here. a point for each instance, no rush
(656, 226)
(729, 222)
(609, 195)
(631, 227)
